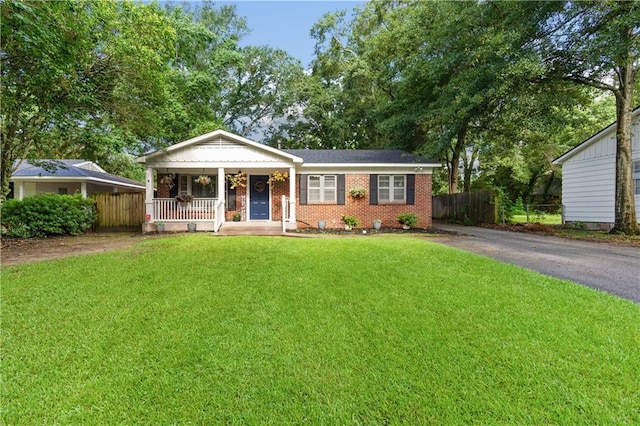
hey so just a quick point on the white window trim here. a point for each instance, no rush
(392, 188)
(181, 178)
(322, 189)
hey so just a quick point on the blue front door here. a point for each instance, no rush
(259, 198)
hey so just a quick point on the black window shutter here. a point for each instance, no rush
(373, 189)
(303, 190)
(411, 189)
(173, 190)
(231, 197)
(341, 190)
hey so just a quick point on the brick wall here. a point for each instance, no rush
(309, 215)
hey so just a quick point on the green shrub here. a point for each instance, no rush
(408, 219)
(48, 214)
(352, 221)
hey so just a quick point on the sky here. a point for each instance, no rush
(285, 24)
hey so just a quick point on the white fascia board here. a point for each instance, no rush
(185, 166)
(73, 179)
(582, 146)
(426, 168)
(218, 133)
(593, 139)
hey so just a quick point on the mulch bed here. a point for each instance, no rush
(340, 231)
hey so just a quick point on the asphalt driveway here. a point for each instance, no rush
(602, 266)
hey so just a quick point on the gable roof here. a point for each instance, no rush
(70, 170)
(218, 134)
(359, 156)
(593, 139)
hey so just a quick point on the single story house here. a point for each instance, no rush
(66, 177)
(221, 176)
(588, 177)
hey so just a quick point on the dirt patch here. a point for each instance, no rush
(569, 233)
(19, 251)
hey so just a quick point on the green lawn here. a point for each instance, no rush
(362, 330)
(543, 218)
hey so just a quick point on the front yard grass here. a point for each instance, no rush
(196, 329)
(542, 218)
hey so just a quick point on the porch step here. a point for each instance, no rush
(250, 228)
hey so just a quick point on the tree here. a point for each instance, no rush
(217, 84)
(79, 77)
(597, 44)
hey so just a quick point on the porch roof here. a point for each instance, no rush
(70, 170)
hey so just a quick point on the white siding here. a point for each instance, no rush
(588, 179)
(216, 153)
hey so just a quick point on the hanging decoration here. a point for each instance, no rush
(203, 180)
(239, 180)
(277, 177)
(166, 179)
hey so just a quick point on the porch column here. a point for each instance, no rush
(83, 189)
(292, 195)
(148, 196)
(221, 189)
(20, 191)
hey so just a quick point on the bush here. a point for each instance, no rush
(352, 221)
(408, 219)
(43, 215)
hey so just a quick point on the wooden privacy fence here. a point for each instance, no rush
(120, 211)
(475, 207)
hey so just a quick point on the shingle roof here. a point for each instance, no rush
(358, 156)
(70, 169)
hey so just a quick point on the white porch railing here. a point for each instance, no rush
(198, 210)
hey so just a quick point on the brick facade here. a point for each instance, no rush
(309, 215)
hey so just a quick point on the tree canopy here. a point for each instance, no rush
(494, 90)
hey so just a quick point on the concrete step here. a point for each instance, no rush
(250, 228)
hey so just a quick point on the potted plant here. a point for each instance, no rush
(159, 227)
(358, 192)
(191, 226)
(322, 224)
(203, 180)
(184, 198)
(407, 220)
(377, 224)
(349, 221)
(236, 217)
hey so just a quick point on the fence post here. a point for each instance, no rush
(527, 208)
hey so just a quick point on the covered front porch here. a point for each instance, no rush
(219, 177)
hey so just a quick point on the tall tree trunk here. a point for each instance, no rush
(454, 165)
(625, 208)
(468, 168)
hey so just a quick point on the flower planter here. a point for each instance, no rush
(377, 225)
(321, 225)
(159, 228)
(191, 227)
(406, 227)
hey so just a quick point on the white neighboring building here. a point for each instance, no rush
(588, 177)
